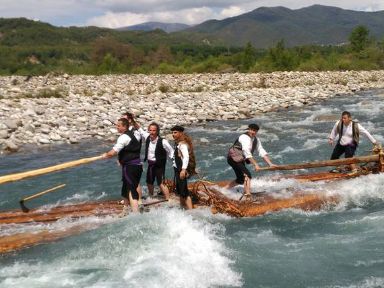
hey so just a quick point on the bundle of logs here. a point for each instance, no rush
(208, 194)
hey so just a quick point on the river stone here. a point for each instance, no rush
(43, 140)
(45, 130)
(30, 127)
(4, 134)
(10, 146)
(29, 112)
(12, 124)
(73, 140)
(55, 137)
(39, 110)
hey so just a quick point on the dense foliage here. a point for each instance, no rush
(35, 48)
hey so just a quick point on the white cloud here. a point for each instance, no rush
(232, 11)
(187, 16)
(116, 20)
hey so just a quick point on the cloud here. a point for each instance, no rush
(187, 16)
(147, 6)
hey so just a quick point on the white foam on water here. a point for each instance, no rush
(281, 188)
(288, 149)
(210, 160)
(368, 282)
(368, 263)
(357, 191)
(313, 143)
(162, 248)
(76, 198)
(371, 108)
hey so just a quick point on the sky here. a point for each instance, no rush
(121, 13)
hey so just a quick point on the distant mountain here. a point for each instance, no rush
(149, 26)
(264, 26)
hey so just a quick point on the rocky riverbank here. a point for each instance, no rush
(55, 109)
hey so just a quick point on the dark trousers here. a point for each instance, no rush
(348, 150)
(181, 185)
(131, 179)
(156, 172)
(240, 169)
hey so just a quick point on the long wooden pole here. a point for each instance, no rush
(337, 162)
(42, 171)
(42, 193)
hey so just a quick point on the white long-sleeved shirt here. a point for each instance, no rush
(347, 136)
(183, 148)
(246, 145)
(124, 140)
(152, 145)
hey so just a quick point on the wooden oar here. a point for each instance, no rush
(42, 171)
(25, 209)
(337, 162)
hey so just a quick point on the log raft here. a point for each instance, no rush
(206, 193)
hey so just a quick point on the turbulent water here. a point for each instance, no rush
(339, 246)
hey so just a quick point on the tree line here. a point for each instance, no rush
(110, 55)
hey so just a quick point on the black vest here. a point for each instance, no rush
(160, 152)
(238, 145)
(131, 151)
(355, 132)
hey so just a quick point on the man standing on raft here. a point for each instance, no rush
(184, 164)
(241, 153)
(349, 136)
(157, 150)
(128, 148)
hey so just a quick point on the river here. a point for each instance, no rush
(338, 246)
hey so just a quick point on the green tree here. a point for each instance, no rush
(248, 57)
(359, 38)
(109, 64)
(281, 57)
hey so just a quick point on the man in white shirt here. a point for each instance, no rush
(157, 150)
(128, 148)
(180, 164)
(241, 153)
(348, 133)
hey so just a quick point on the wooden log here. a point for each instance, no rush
(46, 170)
(308, 202)
(19, 241)
(316, 164)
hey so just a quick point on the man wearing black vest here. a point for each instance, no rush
(157, 150)
(128, 148)
(241, 153)
(181, 164)
(349, 136)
